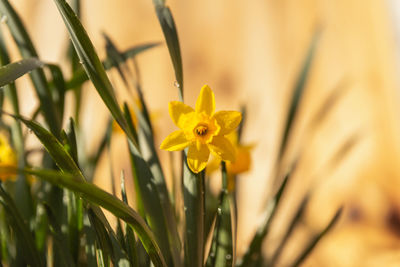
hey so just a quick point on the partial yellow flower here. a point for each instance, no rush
(243, 158)
(241, 165)
(8, 159)
(202, 130)
(115, 126)
(154, 117)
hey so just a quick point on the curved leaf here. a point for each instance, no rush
(171, 36)
(31, 253)
(10, 72)
(66, 163)
(79, 76)
(38, 77)
(92, 65)
(222, 253)
(97, 196)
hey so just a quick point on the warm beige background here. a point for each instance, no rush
(249, 52)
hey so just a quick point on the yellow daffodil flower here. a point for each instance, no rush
(202, 130)
(8, 159)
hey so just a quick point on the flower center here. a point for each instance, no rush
(201, 130)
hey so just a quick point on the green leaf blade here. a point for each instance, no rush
(194, 208)
(31, 253)
(38, 77)
(297, 94)
(10, 72)
(222, 253)
(92, 65)
(171, 36)
(97, 196)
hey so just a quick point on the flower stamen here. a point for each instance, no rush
(201, 130)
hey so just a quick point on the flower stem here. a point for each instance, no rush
(194, 201)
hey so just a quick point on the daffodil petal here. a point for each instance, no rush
(223, 148)
(178, 112)
(242, 163)
(228, 121)
(175, 141)
(206, 101)
(197, 157)
(213, 165)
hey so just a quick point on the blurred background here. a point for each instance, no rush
(250, 54)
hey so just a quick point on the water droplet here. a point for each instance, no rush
(177, 85)
(65, 199)
(4, 19)
(39, 210)
(219, 210)
(64, 228)
(228, 257)
(185, 208)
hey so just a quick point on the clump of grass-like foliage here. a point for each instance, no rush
(57, 220)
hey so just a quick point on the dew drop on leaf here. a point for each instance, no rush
(177, 85)
(4, 19)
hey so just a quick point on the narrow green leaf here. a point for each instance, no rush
(92, 161)
(253, 253)
(296, 219)
(31, 253)
(171, 36)
(24, 201)
(211, 208)
(1, 100)
(38, 77)
(328, 104)
(67, 165)
(146, 190)
(132, 52)
(75, 223)
(41, 228)
(102, 237)
(210, 262)
(92, 65)
(316, 239)
(60, 246)
(146, 143)
(89, 236)
(79, 76)
(150, 201)
(130, 240)
(75, 205)
(221, 253)
(57, 89)
(298, 94)
(75, 65)
(71, 138)
(116, 59)
(56, 150)
(194, 207)
(10, 72)
(129, 119)
(97, 196)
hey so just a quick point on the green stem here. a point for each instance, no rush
(194, 207)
